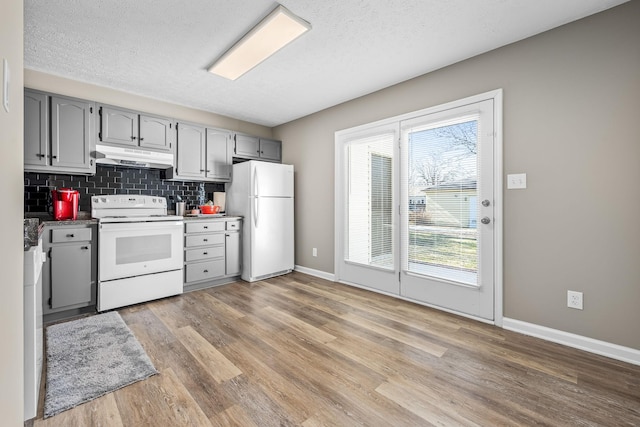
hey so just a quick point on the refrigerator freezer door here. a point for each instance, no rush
(271, 180)
(271, 240)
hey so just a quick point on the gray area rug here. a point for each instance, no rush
(90, 357)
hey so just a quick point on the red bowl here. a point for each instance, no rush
(209, 209)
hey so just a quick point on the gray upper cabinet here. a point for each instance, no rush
(156, 132)
(202, 154)
(36, 130)
(118, 126)
(190, 152)
(247, 146)
(219, 158)
(59, 134)
(129, 128)
(252, 147)
(270, 150)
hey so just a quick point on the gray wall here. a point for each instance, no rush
(571, 111)
(11, 254)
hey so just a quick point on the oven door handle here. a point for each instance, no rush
(140, 226)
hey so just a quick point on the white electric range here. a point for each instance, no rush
(140, 250)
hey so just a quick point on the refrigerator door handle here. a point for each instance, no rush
(255, 181)
(255, 211)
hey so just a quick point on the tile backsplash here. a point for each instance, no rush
(114, 180)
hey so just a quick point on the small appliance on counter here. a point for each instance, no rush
(65, 204)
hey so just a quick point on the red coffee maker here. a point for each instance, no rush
(65, 204)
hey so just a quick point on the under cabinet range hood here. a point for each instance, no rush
(132, 157)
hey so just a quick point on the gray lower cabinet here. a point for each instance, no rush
(212, 251)
(124, 127)
(69, 278)
(255, 148)
(58, 134)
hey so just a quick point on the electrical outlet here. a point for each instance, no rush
(574, 299)
(315, 251)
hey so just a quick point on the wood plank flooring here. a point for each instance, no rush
(301, 351)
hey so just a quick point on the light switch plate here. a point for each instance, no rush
(5, 84)
(516, 181)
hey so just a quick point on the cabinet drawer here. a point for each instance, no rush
(204, 240)
(204, 270)
(233, 225)
(204, 253)
(203, 227)
(65, 234)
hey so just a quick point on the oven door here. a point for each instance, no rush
(139, 248)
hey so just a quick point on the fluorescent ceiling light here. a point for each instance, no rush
(274, 32)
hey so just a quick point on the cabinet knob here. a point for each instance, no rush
(205, 227)
(140, 139)
(70, 235)
(206, 271)
(54, 157)
(205, 240)
(133, 138)
(84, 248)
(40, 155)
(205, 253)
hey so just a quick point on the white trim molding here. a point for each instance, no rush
(603, 348)
(316, 273)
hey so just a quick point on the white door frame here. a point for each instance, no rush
(339, 194)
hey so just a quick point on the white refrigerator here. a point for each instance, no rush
(262, 193)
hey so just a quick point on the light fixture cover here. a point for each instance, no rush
(274, 32)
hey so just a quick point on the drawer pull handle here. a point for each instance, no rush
(205, 227)
(70, 235)
(84, 248)
(205, 240)
(206, 271)
(205, 253)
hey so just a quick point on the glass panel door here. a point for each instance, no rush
(447, 191)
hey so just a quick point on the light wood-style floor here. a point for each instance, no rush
(297, 350)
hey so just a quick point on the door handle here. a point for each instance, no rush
(485, 220)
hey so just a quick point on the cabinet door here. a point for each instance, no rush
(219, 158)
(118, 126)
(36, 130)
(271, 150)
(70, 275)
(247, 146)
(71, 134)
(155, 132)
(190, 151)
(232, 253)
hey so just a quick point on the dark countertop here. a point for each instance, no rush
(34, 224)
(212, 218)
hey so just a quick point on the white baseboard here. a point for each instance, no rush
(603, 348)
(316, 273)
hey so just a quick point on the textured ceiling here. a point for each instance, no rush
(162, 48)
